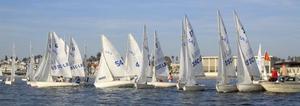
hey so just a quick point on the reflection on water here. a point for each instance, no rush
(21, 94)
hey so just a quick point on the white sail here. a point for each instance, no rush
(226, 66)
(43, 71)
(103, 72)
(248, 64)
(13, 64)
(160, 66)
(261, 64)
(60, 64)
(182, 63)
(75, 60)
(113, 59)
(30, 70)
(133, 57)
(194, 51)
(146, 52)
(145, 69)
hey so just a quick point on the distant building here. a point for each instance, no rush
(292, 67)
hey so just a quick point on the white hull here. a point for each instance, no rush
(162, 84)
(115, 84)
(24, 79)
(226, 88)
(143, 86)
(194, 88)
(7, 82)
(52, 84)
(281, 87)
(28, 82)
(180, 86)
(250, 87)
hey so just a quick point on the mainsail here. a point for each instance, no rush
(133, 57)
(60, 65)
(194, 51)
(145, 69)
(226, 66)
(75, 60)
(160, 66)
(182, 63)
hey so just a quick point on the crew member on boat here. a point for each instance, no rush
(274, 76)
(170, 77)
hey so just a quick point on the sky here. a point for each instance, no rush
(273, 23)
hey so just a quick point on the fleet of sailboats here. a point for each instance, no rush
(54, 70)
(62, 64)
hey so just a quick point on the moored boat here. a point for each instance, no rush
(282, 87)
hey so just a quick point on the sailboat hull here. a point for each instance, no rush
(162, 84)
(194, 88)
(284, 87)
(115, 84)
(143, 86)
(250, 87)
(53, 84)
(226, 88)
(24, 79)
(7, 82)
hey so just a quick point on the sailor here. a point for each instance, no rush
(274, 76)
(170, 77)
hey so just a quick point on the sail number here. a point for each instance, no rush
(76, 66)
(59, 66)
(197, 61)
(228, 61)
(160, 66)
(250, 61)
(119, 63)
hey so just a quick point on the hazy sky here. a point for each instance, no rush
(273, 23)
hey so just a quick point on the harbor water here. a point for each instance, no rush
(21, 94)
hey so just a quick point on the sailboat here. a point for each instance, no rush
(282, 86)
(54, 70)
(75, 61)
(193, 60)
(111, 70)
(141, 82)
(182, 61)
(160, 69)
(11, 79)
(226, 71)
(247, 70)
(261, 65)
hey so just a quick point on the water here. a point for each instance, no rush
(21, 94)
